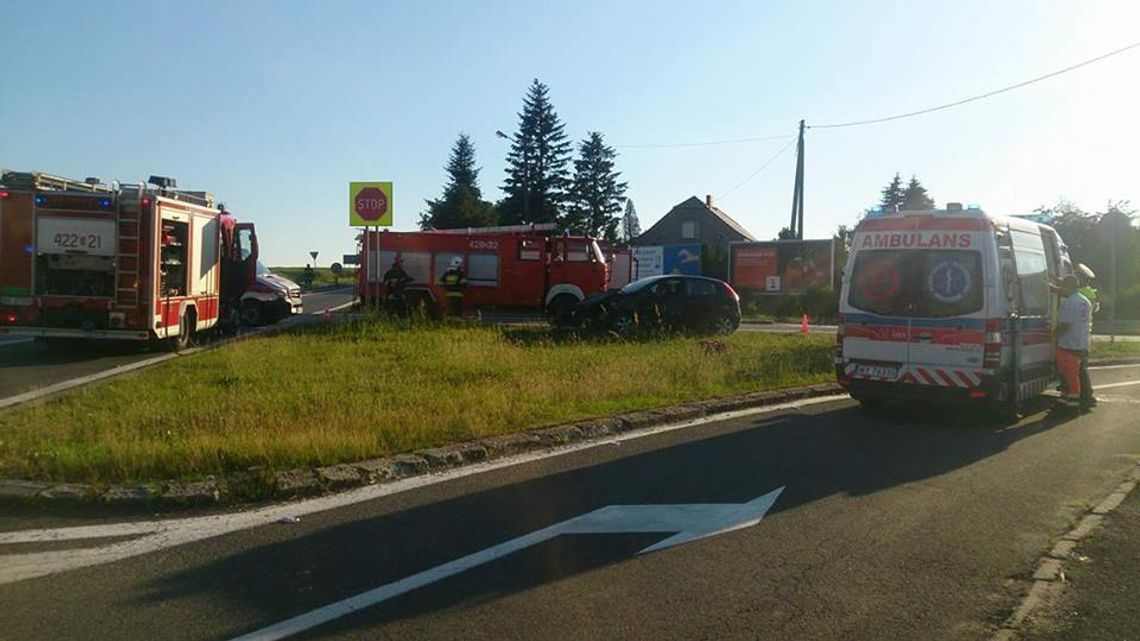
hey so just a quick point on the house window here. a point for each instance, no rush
(689, 230)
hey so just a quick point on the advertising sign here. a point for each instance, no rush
(370, 204)
(650, 261)
(682, 259)
(655, 260)
(783, 266)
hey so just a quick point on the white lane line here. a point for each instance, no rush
(13, 343)
(691, 521)
(173, 532)
(1111, 385)
(1125, 366)
(80, 532)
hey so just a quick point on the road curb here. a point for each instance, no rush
(1049, 576)
(258, 484)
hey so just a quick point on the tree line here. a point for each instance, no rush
(544, 183)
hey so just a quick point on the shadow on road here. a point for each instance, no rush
(844, 451)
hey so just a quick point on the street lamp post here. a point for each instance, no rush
(526, 176)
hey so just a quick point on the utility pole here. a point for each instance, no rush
(797, 224)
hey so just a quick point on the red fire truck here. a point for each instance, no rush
(520, 267)
(81, 259)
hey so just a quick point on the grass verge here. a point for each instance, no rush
(1119, 349)
(343, 392)
(321, 275)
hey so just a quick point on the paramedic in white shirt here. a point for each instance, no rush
(1072, 336)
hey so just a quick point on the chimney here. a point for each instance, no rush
(708, 200)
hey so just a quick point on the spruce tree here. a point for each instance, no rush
(537, 172)
(630, 226)
(595, 195)
(915, 197)
(892, 198)
(462, 204)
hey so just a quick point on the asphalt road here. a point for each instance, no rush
(26, 365)
(914, 523)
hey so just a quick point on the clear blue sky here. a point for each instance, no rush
(276, 106)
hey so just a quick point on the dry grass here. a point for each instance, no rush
(343, 392)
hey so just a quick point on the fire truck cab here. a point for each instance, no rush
(81, 259)
(507, 267)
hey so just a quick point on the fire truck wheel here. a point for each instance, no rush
(558, 311)
(252, 314)
(185, 332)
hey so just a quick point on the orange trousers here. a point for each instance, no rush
(1069, 367)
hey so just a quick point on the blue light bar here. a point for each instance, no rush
(106, 202)
(40, 200)
(973, 206)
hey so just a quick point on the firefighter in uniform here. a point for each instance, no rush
(395, 281)
(454, 283)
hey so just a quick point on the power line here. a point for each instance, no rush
(707, 143)
(760, 168)
(980, 96)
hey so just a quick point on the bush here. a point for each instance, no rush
(820, 303)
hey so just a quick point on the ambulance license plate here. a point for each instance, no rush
(877, 371)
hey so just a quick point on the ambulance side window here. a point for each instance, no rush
(1052, 252)
(1032, 272)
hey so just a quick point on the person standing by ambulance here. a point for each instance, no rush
(1072, 336)
(1087, 277)
(454, 283)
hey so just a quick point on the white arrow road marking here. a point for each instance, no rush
(689, 522)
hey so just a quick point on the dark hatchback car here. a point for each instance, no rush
(692, 303)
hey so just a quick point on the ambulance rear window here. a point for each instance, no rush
(930, 284)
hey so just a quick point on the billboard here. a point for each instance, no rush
(655, 260)
(782, 266)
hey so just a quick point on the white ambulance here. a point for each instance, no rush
(949, 305)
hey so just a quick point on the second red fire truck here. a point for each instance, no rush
(512, 267)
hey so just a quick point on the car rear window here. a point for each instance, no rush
(915, 283)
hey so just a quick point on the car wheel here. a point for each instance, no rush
(725, 325)
(625, 325)
(252, 314)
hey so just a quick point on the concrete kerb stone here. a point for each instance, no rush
(1049, 577)
(18, 489)
(308, 481)
(338, 476)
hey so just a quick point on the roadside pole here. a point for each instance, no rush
(1112, 282)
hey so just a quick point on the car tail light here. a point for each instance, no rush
(991, 352)
(4, 194)
(11, 318)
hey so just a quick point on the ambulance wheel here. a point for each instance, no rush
(870, 402)
(252, 314)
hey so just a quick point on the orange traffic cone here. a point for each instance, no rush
(804, 324)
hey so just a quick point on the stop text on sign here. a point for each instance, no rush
(370, 204)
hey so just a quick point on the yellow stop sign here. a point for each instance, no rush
(370, 204)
